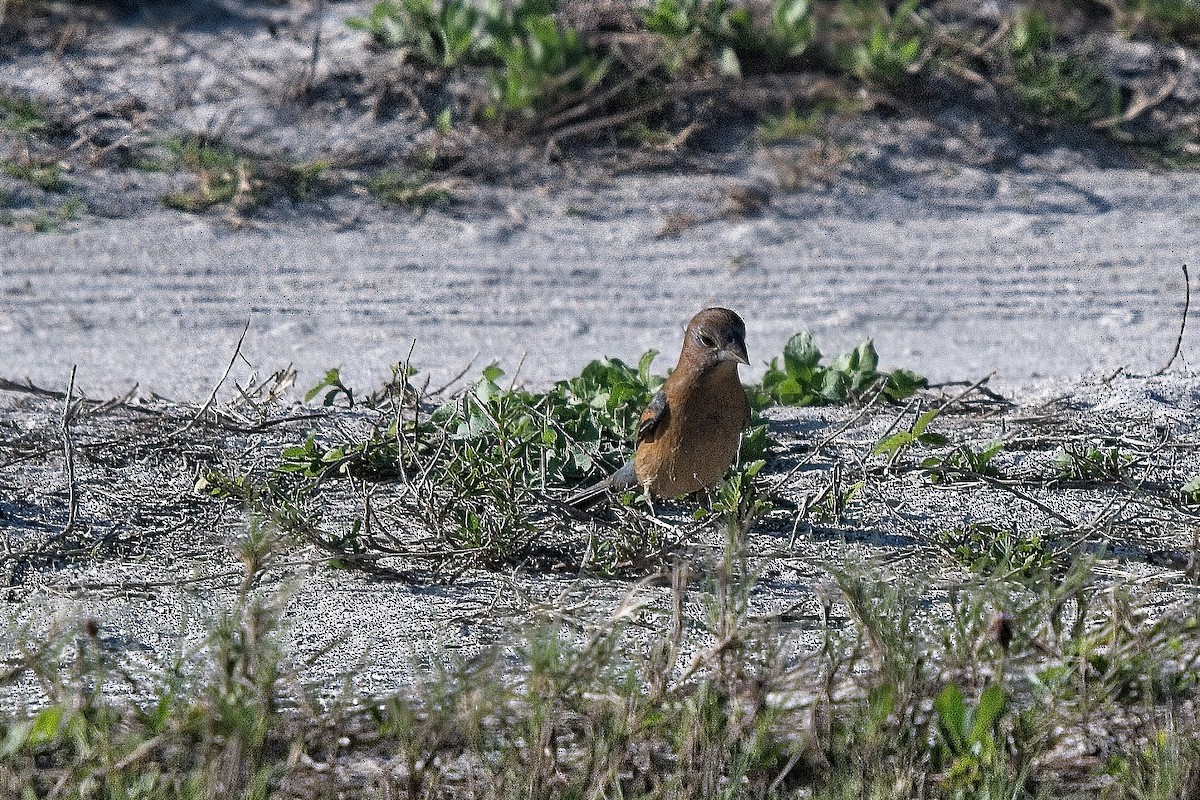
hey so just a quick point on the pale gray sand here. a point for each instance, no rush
(1030, 275)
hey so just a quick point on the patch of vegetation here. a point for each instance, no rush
(896, 445)
(852, 377)
(1087, 462)
(962, 462)
(305, 181)
(529, 71)
(792, 125)
(439, 33)
(1053, 85)
(650, 702)
(41, 219)
(412, 190)
(892, 53)
(479, 465)
(222, 175)
(45, 175)
(925, 682)
(716, 34)
(544, 66)
(1177, 20)
(1004, 553)
(21, 115)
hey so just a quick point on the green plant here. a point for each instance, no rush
(834, 499)
(222, 175)
(803, 380)
(963, 462)
(1178, 20)
(44, 175)
(967, 736)
(1087, 462)
(42, 219)
(728, 36)
(543, 65)
(1053, 85)
(331, 380)
(891, 54)
(22, 115)
(1190, 491)
(1000, 552)
(443, 33)
(412, 190)
(304, 181)
(897, 444)
(792, 125)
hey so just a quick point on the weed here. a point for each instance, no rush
(892, 52)
(715, 32)
(969, 752)
(1190, 491)
(792, 125)
(414, 191)
(332, 380)
(804, 381)
(1091, 463)
(963, 462)
(305, 181)
(22, 115)
(441, 33)
(543, 65)
(1003, 553)
(897, 444)
(223, 176)
(831, 503)
(444, 122)
(1173, 19)
(42, 219)
(1051, 85)
(45, 175)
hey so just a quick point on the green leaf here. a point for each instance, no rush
(903, 383)
(933, 439)
(893, 443)
(834, 386)
(801, 353)
(46, 726)
(644, 366)
(868, 358)
(753, 468)
(923, 421)
(332, 378)
(991, 706)
(951, 707)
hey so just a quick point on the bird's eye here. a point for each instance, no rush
(707, 340)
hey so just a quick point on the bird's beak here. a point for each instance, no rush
(734, 351)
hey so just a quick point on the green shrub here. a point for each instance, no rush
(1052, 85)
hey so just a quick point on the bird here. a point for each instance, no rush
(690, 432)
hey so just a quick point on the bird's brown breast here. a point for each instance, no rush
(707, 415)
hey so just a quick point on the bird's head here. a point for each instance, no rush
(717, 335)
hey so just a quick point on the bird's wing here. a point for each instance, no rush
(653, 417)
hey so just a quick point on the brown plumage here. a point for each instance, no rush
(690, 432)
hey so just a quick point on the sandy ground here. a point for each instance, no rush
(1043, 268)
(1031, 275)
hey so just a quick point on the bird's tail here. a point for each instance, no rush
(619, 481)
(589, 496)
